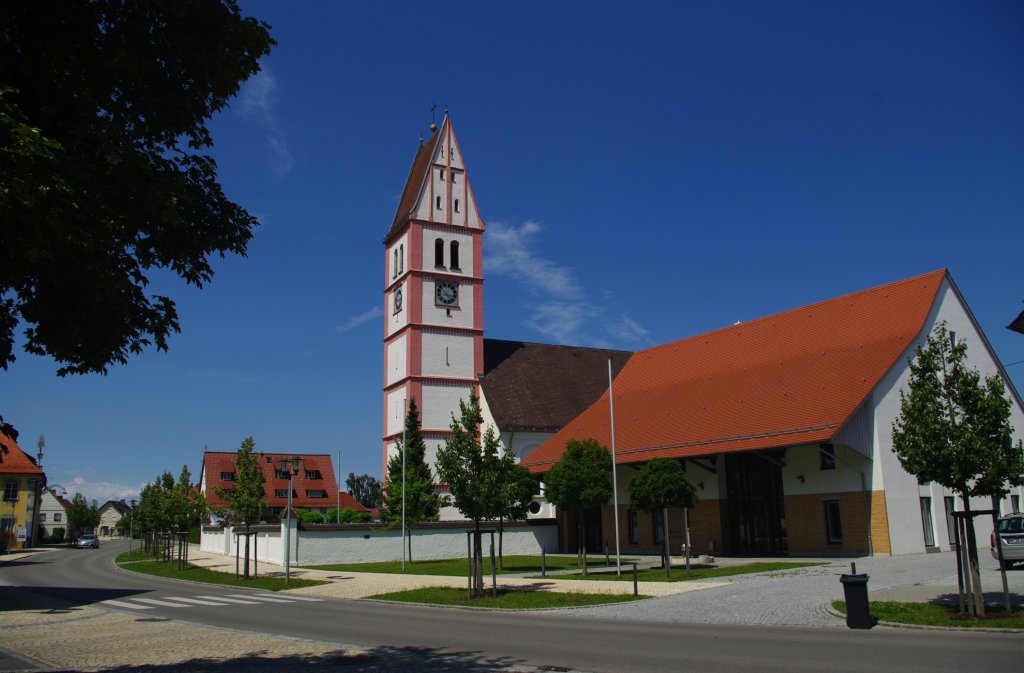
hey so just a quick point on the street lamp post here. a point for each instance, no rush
(292, 467)
(131, 527)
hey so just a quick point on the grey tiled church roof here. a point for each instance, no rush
(541, 387)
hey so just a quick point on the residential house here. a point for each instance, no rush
(22, 481)
(313, 486)
(111, 512)
(53, 515)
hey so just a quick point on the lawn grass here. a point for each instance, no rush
(458, 567)
(508, 599)
(141, 563)
(929, 614)
(696, 572)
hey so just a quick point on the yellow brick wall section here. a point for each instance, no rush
(806, 529)
(705, 527)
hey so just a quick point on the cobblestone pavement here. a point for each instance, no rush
(96, 639)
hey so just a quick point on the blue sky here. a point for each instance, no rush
(646, 174)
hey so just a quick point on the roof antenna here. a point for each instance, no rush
(433, 126)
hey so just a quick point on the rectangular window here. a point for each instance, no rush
(441, 174)
(228, 492)
(833, 522)
(56, 517)
(280, 492)
(926, 522)
(281, 474)
(42, 517)
(11, 491)
(827, 452)
(438, 202)
(950, 508)
(316, 493)
(227, 476)
(313, 474)
(456, 205)
(634, 527)
(659, 527)
(7, 524)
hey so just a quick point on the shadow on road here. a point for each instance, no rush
(377, 660)
(991, 598)
(28, 598)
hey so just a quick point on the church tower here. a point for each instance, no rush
(433, 295)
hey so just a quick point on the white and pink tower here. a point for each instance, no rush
(433, 295)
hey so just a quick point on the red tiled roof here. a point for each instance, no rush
(13, 460)
(217, 462)
(785, 379)
(348, 502)
(417, 174)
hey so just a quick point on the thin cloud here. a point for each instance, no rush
(257, 99)
(565, 316)
(100, 491)
(356, 321)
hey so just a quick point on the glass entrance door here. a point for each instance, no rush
(757, 517)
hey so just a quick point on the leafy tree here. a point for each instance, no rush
(581, 480)
(364, 489)
(184, 506)
(473, 474)
(517, 489)
(660, 484)
(422, 503)
(103, 113)
(954, 429)
(82, 516)
(246, 499)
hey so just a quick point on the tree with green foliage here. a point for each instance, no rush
(365, 490)
(954, 429)
(104, 106)
(581, 480)
(246, 500)
(517, 489)
(658, 485)
(82, 517)
(422, 502)
(346, 515)
(185, 507)
(474, 475)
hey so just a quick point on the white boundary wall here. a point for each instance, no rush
(321, 545)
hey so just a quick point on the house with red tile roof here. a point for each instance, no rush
(314, 486)
(783, 422)
(22, 480)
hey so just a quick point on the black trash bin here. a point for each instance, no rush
(855, 589)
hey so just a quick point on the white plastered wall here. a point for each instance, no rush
(447, 354)
(398, 366)
(447, 316)
(902, 492)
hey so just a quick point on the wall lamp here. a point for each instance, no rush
(801, 479)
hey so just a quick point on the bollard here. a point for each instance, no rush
(635, 591)
(855, 590)
(543, 563)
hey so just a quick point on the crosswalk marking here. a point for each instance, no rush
(122, 604)
(230, 600)
(261, 597)
(197, 601)
(293, 597)
(166, 604)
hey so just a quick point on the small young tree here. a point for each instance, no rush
(517, 488)
(364, 489)
(954, 429)
(82, 517)
(581, 480)
(422, 503)
(660, 484)
(473, 475)
(246, 499)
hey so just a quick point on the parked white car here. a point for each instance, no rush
(1011, 531)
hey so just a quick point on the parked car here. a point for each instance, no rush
(1011, 530)
(88, 542)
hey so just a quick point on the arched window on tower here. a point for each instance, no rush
(439, 252)
(454, 257)
(394, 266)
(401, 258)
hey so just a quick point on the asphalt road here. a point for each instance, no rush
(84, 577)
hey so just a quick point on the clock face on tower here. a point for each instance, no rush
(398, 300)
(447, 294)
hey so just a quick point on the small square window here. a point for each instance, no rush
(827, 454)
(280, 492)
(313, 474)
(56, 517)
(227, 476)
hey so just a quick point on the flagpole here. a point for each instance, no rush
(339, 486)
(405, 404)
(615, 480)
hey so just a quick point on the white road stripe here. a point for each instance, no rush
(193, 600)
(261, 597)
(122, 604)
(167, 604)
(293, 597)
(230, 600)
